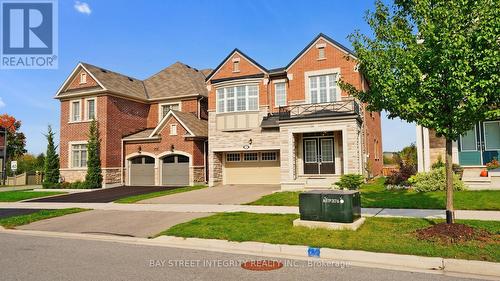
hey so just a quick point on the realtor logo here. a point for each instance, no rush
(29, 35)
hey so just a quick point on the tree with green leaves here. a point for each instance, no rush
(93, 179)
(51, 164)
(434, 63)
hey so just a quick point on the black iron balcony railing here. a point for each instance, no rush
(316, 110)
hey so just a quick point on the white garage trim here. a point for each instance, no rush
(135, 154)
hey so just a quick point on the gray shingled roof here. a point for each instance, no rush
(139, 135)
(118, 83)
(177, 80)
(199, 127)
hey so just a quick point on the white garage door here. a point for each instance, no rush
(142, 171)
(252, 168)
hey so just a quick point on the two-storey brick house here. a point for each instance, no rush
(153, 131)
(293, 125)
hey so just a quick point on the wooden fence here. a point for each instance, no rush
(388, 170)
(25, 179)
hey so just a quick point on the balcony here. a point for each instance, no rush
(320, 110)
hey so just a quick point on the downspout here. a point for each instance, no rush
(205, 162)
(121, 164)
(199, 107)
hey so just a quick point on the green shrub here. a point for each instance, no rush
(350, 181)
(434, 180)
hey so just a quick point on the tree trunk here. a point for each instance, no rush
(450, 215)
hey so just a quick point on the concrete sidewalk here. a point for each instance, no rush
(210, 208)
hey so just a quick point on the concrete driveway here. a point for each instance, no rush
(227, 194)
(122, 223)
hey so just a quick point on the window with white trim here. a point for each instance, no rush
(269, 156)
(233, 157)
(173, 129)
(250, 156)
(321, 53)
(78, 155)
(75, 111)
(280, 94)
(165, 108)
(90, 109)
(236, 66)
(83, 78)
(237, 98)
(323, 88)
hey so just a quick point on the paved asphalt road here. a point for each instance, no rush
(103, 195)
(43, 258)
(5, 213)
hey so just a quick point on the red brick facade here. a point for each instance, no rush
(295, 74)
(120, 116)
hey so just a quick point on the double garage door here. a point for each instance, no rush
(251, 168)
(174, 170)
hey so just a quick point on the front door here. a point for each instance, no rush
(319, 156)
(491, 143)
(481, 144)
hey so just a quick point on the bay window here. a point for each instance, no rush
(237, 98)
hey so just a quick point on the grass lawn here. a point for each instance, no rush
(18, 195)
(136, 198)
(374, 195)
(12, 222)
(388, 235)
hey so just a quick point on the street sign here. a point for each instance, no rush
(13, 165)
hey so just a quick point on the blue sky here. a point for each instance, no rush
(139, 38)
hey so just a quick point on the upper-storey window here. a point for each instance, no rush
(323, 88)
(238, 98)
(280, 94)
(236, 64)
(90, 109)
(75, 111)
(83, 78)
(165, 108)
(321, 51)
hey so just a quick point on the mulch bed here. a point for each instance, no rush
(452, 233)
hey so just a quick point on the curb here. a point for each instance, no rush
(437, 265)
(362, 258)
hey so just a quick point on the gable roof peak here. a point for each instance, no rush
(236, 50)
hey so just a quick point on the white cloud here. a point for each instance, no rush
(2, 103)
(83, 8)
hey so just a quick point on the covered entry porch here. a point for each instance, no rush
(316, 155)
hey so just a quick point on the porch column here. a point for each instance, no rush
(345, 151)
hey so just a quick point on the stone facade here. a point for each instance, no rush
(358, 140)
(347, 150)
(72, 175)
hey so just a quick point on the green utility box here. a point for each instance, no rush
(342, 206)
